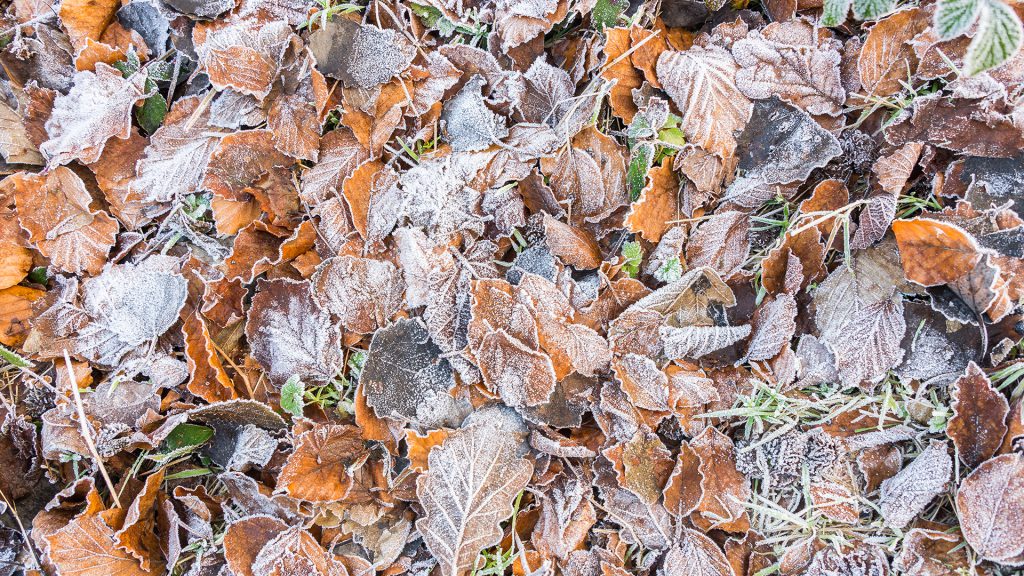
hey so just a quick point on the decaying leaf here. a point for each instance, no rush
(320, 469)
(978, 423)
(907, 493)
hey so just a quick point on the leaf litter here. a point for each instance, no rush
(577, 287)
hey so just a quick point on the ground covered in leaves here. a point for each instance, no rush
(511, 287)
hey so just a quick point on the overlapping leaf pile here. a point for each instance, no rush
(525, 287)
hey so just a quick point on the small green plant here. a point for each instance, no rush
(292, 396)
(633, 253)
(606, 13)
(328, 10)
(670, 271)
(473, 32)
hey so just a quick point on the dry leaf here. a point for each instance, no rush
(978, 424)
(320, 468)
(935, 252)
(990, 503)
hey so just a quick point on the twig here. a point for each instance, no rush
(83, 423)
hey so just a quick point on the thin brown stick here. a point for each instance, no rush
(86, 434)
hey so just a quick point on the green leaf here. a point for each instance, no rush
(633, 253)
(999, 36)
(190, 473)
(14, 359)
(187, 436)
(606, 13)
(834, 12)
(291, 396)
(673, 136)
(639, 164)
(954, 17)
(670, 271)
(151, 114)
(38, 275)
(872, 9)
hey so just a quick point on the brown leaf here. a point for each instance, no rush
(320, 468)
(990, 504)
(894, 170)
(55, 210)
(702, 84)
(573, 246)
(720, 243)
(244, 539)
(928, 552)
(87, 19)
(725, 489)
(589, 176)
(363, 293)
(290, 334)
(87, 547)
(521, 376)
(685, 486)
(642, 465)
(374, 199)
(794, 61)
(16, 312)
(935, 252)
(773, 326)
(978, 423)
(652, 213)
(619, 67)
(241, 54)
(467, 492)
(695, 553)
(887, 56)
(138, 535)
(15, 257)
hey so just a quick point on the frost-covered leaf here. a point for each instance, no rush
(405, 375)
(702, 84)
(130, 305)
(15, 144)
(781, 144)
(834, 12)
(691, 342)
(589, 176)
(696, 554)
(1000, 35)
(467, 491)
(725, 489)
(978, 423)
(98, 107)
(862, 324)
(887, 55)
(86, 546)
(290, 334)
(55, 210)
(773, 327)
(469, 124)
(241, 54)
(520, 375)
(990, 505)
(721, 243)
(359, 55)
(178, 153)
(363, 293)
(793, 61)
(906, 494)
(340, 155)
(954, 17)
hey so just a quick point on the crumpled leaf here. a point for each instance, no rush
(467, 491)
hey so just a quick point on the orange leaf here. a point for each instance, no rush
(934, 252)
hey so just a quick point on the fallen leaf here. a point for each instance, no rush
(320, 468)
